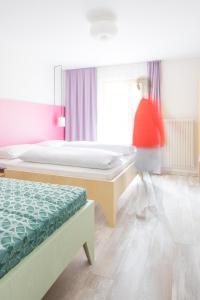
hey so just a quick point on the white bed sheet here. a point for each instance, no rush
(19, 165)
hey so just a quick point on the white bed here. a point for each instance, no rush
(109, 174)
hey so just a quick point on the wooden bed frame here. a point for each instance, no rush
(105, 192)
(35, 274)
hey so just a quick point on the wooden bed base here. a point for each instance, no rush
(35, 274)
(106, 193)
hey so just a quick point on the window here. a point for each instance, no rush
(117, 104)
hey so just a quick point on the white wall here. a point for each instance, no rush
(26, 78)
(180, 88)
(180, 91)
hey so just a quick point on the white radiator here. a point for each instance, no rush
(179, 153)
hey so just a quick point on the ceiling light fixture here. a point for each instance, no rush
(103, 25)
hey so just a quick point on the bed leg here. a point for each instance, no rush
(89, 251)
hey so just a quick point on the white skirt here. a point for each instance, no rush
(148, 160)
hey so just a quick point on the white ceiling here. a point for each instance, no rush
(58, 31)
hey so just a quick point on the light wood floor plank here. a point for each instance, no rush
(156, 258)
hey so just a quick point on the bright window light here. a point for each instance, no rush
(117, 104)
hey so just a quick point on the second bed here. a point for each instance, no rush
(103, 186)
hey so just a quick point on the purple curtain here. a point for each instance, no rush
(81, 104)
(153, 70)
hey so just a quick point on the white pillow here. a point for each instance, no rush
(75, 157)
(14, 151)
(123, 149)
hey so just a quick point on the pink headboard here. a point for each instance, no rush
(26, 122)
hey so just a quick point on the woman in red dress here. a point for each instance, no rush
(148, 138)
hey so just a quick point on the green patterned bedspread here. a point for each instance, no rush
(29, 213)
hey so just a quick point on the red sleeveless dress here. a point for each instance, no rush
(148, 129)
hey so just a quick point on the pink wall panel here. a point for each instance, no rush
(26, 122)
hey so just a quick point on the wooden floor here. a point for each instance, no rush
(153, 259)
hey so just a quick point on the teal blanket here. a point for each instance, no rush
(29, 213)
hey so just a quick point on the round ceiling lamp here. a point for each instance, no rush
(103, 25)
(103, 30)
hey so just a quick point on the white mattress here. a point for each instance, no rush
(19, 165)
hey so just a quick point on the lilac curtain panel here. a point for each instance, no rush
(81, 104)
(153, 70)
